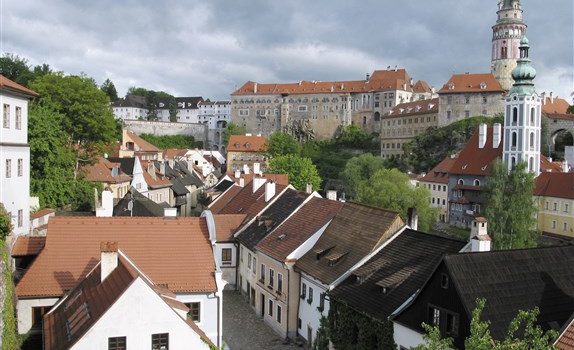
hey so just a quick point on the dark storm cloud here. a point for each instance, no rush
(211, 47)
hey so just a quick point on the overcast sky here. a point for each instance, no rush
(211, 47)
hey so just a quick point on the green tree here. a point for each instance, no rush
(88, 118)
(301, 170)
(359, 169)
(281, 144)
(570, 110)
(172, 141)
(233, 129)
(16, 69)
(152, 104)
(110, 89)
(433, 340)
(322, 338)
(172, 107)
(5, 223)
(510, 208)
(137, 91)
(391, 189)
(355, 137)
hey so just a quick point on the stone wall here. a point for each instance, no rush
(198, 131)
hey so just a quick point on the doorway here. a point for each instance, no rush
(262, 305)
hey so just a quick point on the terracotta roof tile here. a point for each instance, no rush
(281, 179)
(565, 116)
(223, 199)
(552, 184)
(225, 225)
(439, 174)
(101, 171)
(28, 245)
(249, 203)
(566, 339)
(555, 105)
(461, 83)
(422, 86)
(414, 108)
(175, 252)
(171, 153)
(41, 213)
(299, 227)
(473, 160)
(7, 84)
(143, 145)
(242, 143)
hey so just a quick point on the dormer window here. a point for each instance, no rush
(451, 86)
(483, 85)
(335, 257)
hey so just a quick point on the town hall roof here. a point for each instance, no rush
(469, 83)
(244, 143)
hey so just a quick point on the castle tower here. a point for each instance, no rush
(522, 117)
(506, 35)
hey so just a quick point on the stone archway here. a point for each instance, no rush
(559, 140)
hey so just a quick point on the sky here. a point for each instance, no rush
(209, 48)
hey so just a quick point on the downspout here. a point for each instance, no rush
(288, 296)
(237, 265)
(219, 336)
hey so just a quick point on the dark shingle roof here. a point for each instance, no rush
(355, 232)
(516, 280)
(178, 187)
(401, 267)
(142, 206)
(126, 164)
(223, 185)
(271, 218)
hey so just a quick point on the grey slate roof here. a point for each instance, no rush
(142, 206)
(401, 267)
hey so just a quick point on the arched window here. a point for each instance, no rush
(514, 115)
(514, 141)
(477, 182)
(512, 162)
(364, 120)
(377, 116)
(531, 144)
(531, 164)
(460, 181)
(532, 116)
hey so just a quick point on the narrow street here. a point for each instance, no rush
(243, 330)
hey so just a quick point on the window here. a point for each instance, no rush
(279, 283)
(565, 207)
(467, 114)
(8, 168)
(466, 99)
(302, 108)
(565, 226)
(554, 224)
(270, 307)
(241, 253)
(160, 341)
(514, 140)
(310, 299)
(6, 120)
(226, 256)
(18, 118)
(451, 324)
(20, 167)
(477, 182)
(37, 315)
(444, 281)
(278, 314)
(303, 290)
(460, 181)
(531, 141)
(321, 302)
(117, 343)
(532, 115)
(514, 116)
(249, 261)
(484, 99)
(262, 274)
(434, 316)
(20, 218)
(254, 264)
(271, 277)
(448, 114)
(555, 206)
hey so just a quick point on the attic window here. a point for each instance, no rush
(451, 86)
(444, 281)
(237, 145)
(335, 257)
(248, 145)
(482, 85)
(282, 237)
(320, 252)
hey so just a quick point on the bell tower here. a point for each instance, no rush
(506, 35)
(523, 116)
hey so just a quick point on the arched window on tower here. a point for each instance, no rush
(531, 144)
(512, 162)
(531, 164)
(514, 138)
(514, 116)
(504, 52)
(532, 116)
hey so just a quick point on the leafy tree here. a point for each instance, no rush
(301, 170)
(433, 340)
(88, 118)
(322, 338)
(233, 129)
(10, 337)
(172, 141)
(391, 189)
(137, 91)
(355, 137)
(510, 210)
(16, 69)
(110, 89)
(172, 107)
(152, 104)
(359, 169)
(5, 224)
(570, 109)
(281, 144)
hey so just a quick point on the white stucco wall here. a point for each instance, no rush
(406, 337)
(138, 314)
(208, 312)
(308, 313)
(24, 311)
(229, 270)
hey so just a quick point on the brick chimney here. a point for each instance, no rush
(109, 258)
(482, 133)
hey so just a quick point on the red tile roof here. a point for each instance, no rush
(553, 184)
(41, 213)
(281, 179)
(439, 174)
(555, 105)
(7, 84)
(175, 252)
(566, 339)
(143, 145)
(462, 83)
(565, 116)
(299, 227)
(249, 203)
(102, 172)
(422, 86)
(171, 153)
(414, 108)
(158, 182)
(242, 143)
(226, 225)
(28, 245)
(473, 160)
(380, 80)
(223, 199)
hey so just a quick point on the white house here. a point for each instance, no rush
(117, 305)
(174, 252)
(15, 153)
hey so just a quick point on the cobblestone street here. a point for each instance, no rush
(243, 330)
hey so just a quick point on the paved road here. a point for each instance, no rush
(243, 330)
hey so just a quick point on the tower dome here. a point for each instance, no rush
(524, 73)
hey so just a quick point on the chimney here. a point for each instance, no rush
(368, 77)
(479, 238)
(107, 206)
(257, 168)
(309, 188)
(412, 82)
(162, 168)
(269, 190)
(565, 166)
(242, 182)
(551, 97)
(237, 174)
(412, 218)
(245, 169)
(257, 182)
(482, 131)
(255, 88)
(543, 95)
(332, 195)
(169, 212)
(108, 259)
(496, 131)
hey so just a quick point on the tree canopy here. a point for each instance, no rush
(19, 70)
(354, 137)
(510, 209)
(233, 129)
(391, 189)
(281, 144)
(5, 225)
(301, 171)
(110, 89)
(172, 141)
(359, 169)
